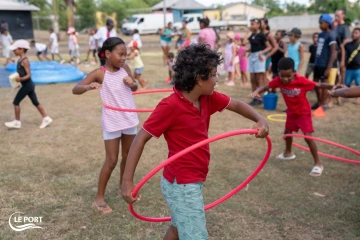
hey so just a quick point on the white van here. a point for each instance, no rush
(146, 23)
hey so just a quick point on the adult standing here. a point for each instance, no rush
(101, 35)
(165, 41)
(343, 36)
(184, 37)
(206, 34)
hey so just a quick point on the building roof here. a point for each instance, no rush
(179, 5)
(9, 5)
(250, 5)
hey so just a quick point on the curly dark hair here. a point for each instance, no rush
(111, 43)
(195, 60)
(286, 63)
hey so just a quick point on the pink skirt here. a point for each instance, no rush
(243, 64)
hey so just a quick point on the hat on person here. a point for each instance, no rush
(230, 35)
(326, 18)
(257, 20)
(19, 44)
(132, 44)
(71, 30)
(110, 22)
(237, 36)
(294, 31)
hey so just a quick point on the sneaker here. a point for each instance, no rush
(45, 122)
(13, 124)
(62, 61)
(230, 83)
(315, 106)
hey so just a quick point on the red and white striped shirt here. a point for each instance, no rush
(116, 93)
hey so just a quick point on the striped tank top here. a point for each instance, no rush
(116, 93)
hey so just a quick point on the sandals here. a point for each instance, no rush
(103, 209)
(282, 157)
(316, 171)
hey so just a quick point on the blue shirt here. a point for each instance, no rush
(294, 53)
(323, 53)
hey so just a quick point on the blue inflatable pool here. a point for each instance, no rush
(51, 72)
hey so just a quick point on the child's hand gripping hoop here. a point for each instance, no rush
(274, 117)
(189, 149)
(327, 142)
(140, 109)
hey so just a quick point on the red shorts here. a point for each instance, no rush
(302, 122)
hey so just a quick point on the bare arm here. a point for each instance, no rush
(346, 92)
(133, 158)
(89, 83)
(267, 49)
(283, 49)
(332, 59)
(25, 63)
(301, 50)
(130, 82)
(260, 90)
(132, 55)
(248, 112)
(342, 49)
(274, 45)
(324, 86)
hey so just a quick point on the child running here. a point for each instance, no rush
(54, 45)
(230, 55)
(295, 49)
(294, 88)
(352, 61)
(92, 47)
(6, 40)
(27, 88)
(73, 46)
(312, 51)
(243, 62)
(259, 45)
(116, 86)
(137, 63)
(184, 119)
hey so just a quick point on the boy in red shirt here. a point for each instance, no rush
(184, 119)
(294, 88)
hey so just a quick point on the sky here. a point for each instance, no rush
(210, 2)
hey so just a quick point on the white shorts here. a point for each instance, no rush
(6, 52)
(54, 49)
(117, 134)
(75, 52)
(165, 43)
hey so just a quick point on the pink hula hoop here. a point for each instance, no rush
(183, 152)
(140, 109)
(327, 142)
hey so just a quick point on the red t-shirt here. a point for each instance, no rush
(294, 94)
(183, 126)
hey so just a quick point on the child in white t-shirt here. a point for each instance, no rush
(92, 46)
(136, 38)
(41, 50)
(54, 45)
(6, 40)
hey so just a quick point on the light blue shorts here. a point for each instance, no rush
(254, 63)
(186, 205)
(139, 70)
(352, 75)
(117, 134)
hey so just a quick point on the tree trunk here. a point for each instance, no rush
(70, 12)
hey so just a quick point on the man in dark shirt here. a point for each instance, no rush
(352, 59)
(325, 66)
(343, 36)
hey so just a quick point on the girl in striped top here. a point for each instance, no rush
(115, 82)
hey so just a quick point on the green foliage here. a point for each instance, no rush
(111, 6)
(272, 5)
(86, 10)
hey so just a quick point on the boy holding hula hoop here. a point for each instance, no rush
(184, 119)
(298, 115)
